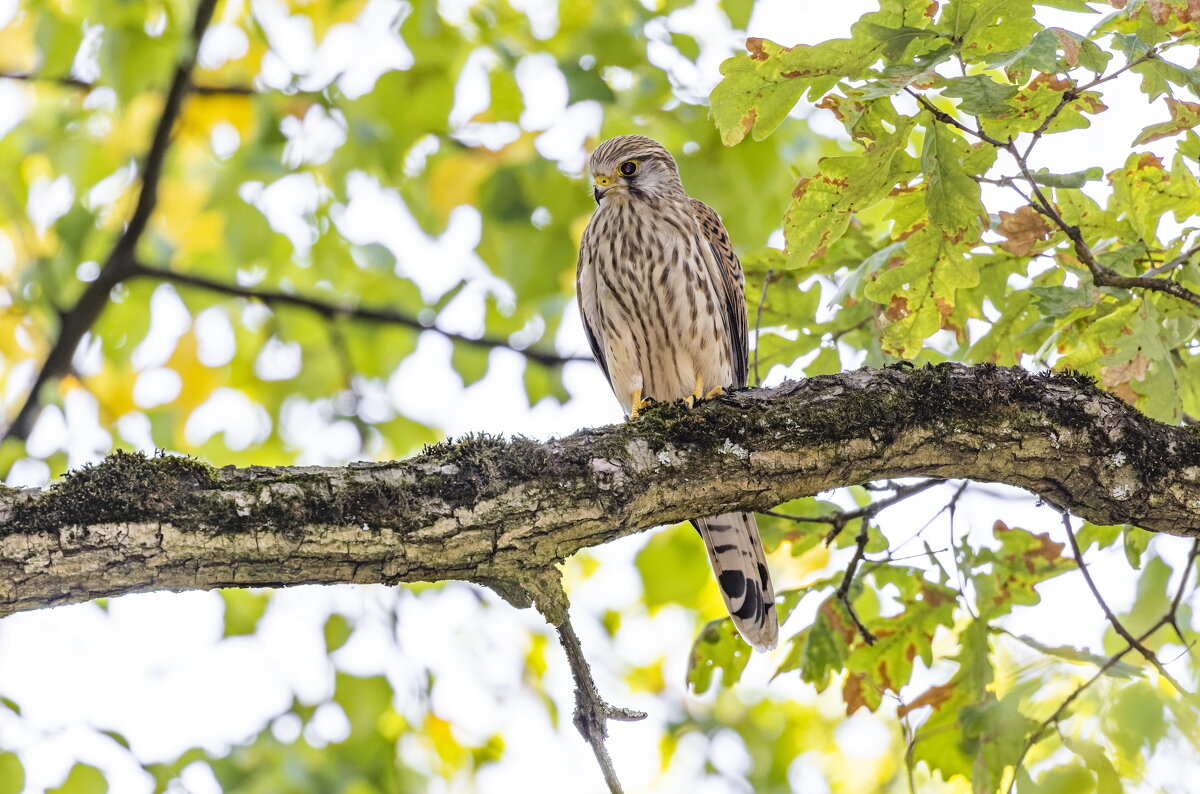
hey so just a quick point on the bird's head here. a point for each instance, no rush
(633, 167)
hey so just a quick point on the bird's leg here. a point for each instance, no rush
(697, 392)
(637, 403)
(716, 392)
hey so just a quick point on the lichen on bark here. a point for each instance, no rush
(492, 509)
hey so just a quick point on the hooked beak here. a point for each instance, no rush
(601, 185)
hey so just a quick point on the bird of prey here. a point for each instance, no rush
(661, 296)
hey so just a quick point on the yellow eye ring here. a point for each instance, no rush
(628, 168)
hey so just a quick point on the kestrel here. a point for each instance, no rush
(661, 295)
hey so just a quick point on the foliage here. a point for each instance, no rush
(301, 251)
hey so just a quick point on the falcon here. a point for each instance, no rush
(661, 295)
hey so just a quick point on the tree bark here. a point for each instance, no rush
(494, 510)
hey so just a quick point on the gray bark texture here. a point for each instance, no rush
(501, 511)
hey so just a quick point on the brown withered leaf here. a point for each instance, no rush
(1117, 378)
(934, 696)
(1023, 230)
(1070, 47)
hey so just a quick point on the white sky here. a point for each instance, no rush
(151, 667)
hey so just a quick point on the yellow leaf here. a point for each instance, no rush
(455, 181)
(203, 112)
(18, 51)
(182, 219)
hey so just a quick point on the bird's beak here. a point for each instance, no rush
(601, 185)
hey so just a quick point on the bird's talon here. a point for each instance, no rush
(637, 404)
(717, 392)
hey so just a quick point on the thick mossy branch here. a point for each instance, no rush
(488, 509)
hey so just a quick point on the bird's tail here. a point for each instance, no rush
(736, 553)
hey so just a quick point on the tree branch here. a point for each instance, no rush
(66, 81)
(83, 315)
(273, 297)
(490, 509)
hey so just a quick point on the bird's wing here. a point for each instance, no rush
(730, 287)
(585, 288)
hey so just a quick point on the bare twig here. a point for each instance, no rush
(592, 713)
(758, 323)
(843, 591)
(839, 520)
(1168, 266)
(1187, 569)
(82, 316)
(1169, 619)
(1118, 627)
(68, 81)
(329, 310)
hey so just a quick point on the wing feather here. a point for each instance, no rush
(730, 286)
(589, 308)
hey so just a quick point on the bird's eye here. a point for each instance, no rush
(628, 168)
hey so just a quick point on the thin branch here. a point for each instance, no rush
(1118, 627)
(329, 310)
(591, 711)
(839, 520)
(1167, 267)
(1187, 569)
(758, 323)
(83, 315)
(1102, 276)
(843, 591)
(1169, 619)
(542, 587)
(67, 81)
(947, 119)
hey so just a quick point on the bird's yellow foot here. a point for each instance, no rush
(638, 403)
(717, 392)
(696, 394)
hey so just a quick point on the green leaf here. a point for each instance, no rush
(980, 94)
(82, 779)
(738, 12)
(952, 196)
(243, 609)
(1135, 719)
(12, 774)
(820, 650)
(673, 568)
(1075, 179)
(337, 630)
(751, 98)
(470, 362)
(823, 204)
(718, 647)
(1098, 763)
(1023, 561)
(1184, 116)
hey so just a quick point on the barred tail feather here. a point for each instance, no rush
(736, 553)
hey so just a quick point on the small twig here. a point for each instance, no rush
(334, 310)
(1170, 265)
(592, 713)
(74, 82)
(1148, 654)
(1102, 276)
(1187, 569)
(83, 315)
(1053, 718)
(947, 119)
(839, 520)
(758, 323)
(843, 591)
